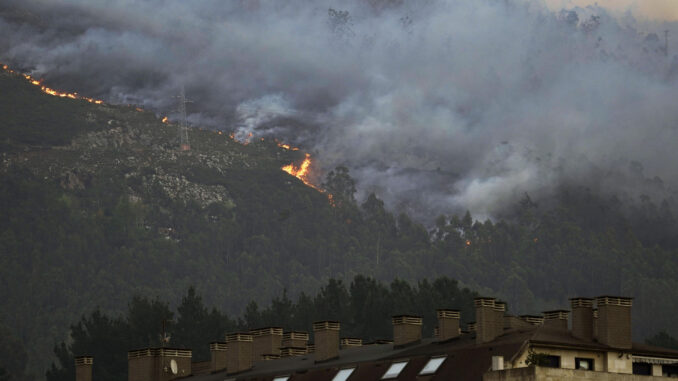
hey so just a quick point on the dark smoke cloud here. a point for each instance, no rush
(438, 106)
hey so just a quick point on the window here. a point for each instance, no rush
(550, 361)
(582, 363)
(281, 378)
(670, 371)
(642, 368)
(432, 365)
(343, 374)
(394, 370)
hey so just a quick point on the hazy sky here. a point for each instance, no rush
(654, 9)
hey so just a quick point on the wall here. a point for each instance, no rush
(553, 374)
(603, 362)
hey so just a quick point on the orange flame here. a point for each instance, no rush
(165, 120)
(300, 172)
(286, 146)
(52, 92)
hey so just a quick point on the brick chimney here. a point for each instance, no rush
(582, 318)
(218, 354)
(486, 320)
(533, 319)
(614, 321)
(350, 342)
(448, 324)
(500, 311)
(514, 322)
(83, 368)
(292, 352)
(294, 339)
(266, 341)
(158, 364)
(239, 354)
(326, 335)
(556, 319)
(406, 330)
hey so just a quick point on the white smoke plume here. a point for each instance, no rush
(436, 105)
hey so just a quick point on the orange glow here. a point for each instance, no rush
(165, 120)
(140, 109)
(55, 93)
(286, 146)
(468, 243)
(300, 172)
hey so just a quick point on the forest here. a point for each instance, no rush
(68, 251)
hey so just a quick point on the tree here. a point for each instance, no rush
(12, 354)
(663, 339)
(340, 184)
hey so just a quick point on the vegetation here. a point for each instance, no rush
(364, 309)
(115, 211)
(663, 339)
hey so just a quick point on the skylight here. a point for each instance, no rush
(394, 370)
(343, 374)
(432, 365)
(281, 378)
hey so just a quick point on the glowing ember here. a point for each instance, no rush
(468, 243)
(52, 92)
(286, 146)
(165, 120)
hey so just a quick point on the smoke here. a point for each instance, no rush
(438, 106)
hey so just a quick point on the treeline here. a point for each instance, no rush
(364, 308)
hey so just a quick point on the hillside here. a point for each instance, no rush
(99, 205)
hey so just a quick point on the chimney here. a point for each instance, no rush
(83, 368)
(582, 318)
(486, 320)
(326, 335)
(350, 342)
(500, 311)
(514, 322)
(239, 354)
(295, 339)
(448, 324)
(406, 330)
(614, 321)
(292, 352)
(266, 341)
(158, 364)
(556, 319)
(218, 355)
(533, 319)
